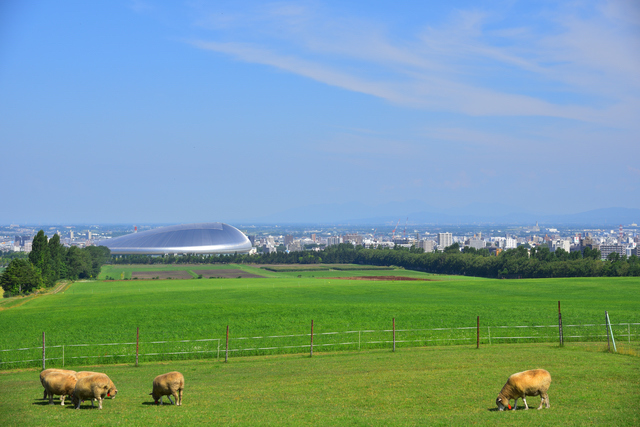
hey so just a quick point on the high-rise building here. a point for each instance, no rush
(606, 250)
(426, 245)
(334, 240)
(288, 240)
(445, 239)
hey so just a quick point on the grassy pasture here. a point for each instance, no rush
(455, 385)
(109, 312)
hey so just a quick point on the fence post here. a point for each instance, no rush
(394, 334)
(613, 340)
(137, 343)
(43, 354)
(63, 355)
(606, 327)
(226, 352)
(311, 353)
(561, 334)
(478, 334)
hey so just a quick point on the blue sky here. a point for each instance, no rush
(145, 111)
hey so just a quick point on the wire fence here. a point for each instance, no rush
(62, 355)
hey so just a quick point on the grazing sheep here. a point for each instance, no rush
(59, 383)
(93, 387)
(535, 382)
(112, 388)
(171, 384)
(47, 372)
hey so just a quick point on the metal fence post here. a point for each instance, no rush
(613, 340)
(43, 354)
(478, 334)
(137, 343)
(606, 327)
(311, 353)
(561, 334)
(394, 334)
(226, 353)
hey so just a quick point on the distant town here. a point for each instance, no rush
(623, 240)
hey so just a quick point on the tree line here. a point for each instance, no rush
(50, 261)
(522, 262)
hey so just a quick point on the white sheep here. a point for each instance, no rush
(170, 384)
(60, 384)
(47, 372)
(93, 387)
(535, 382)
(112, 387)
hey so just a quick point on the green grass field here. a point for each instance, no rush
(455, 385)
(110, 311)
(422, 383)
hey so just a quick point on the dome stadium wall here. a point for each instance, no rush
(201, 239)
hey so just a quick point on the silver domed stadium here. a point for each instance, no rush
(206, 238)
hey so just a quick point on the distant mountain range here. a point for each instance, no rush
(419, 213)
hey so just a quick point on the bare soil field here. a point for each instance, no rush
(226, 273)
(175, 274)
(318, 267)
(387, 278)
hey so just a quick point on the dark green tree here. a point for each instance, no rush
(78, 263)
(20, 276)
(57, 255)
(453, 249)
(99, 256)
(41, 258)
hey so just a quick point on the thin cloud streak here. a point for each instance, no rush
(439, 70)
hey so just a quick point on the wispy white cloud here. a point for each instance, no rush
(457, 66)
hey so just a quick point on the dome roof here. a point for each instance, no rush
(206, 238)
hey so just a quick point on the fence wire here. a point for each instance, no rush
(214, 348)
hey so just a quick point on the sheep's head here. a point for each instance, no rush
(155, 398)
(502, 403)
(74, 398)
(112, 392)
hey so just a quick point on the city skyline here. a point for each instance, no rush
(145, 112)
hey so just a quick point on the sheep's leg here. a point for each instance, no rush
(99, 403)
(62, 400)
(545, 397)
(180, 395)
(50, 398)
(524, 399)
(541, 400)
(169, 397)
(161, 399)
(45, 394)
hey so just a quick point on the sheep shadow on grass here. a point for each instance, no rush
(519, 408)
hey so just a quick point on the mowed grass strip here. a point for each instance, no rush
(434, 386)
